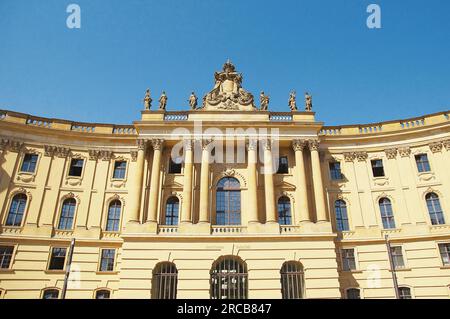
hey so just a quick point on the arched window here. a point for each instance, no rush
(353, 293)
(229, 279)
(172, 209)
(102, 294)
(67, 214)
(404, 293)
(228, 202)
(164, 281)
(50, 293)
(113, 222)
(284, 211)
(434, 209)
(16, 210)
(340, 208)
(292, 280)
(387, 216)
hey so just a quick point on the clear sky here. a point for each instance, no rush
(99, 73)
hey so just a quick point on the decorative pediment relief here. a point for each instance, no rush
(285, 185)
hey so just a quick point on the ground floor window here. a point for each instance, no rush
(229, 279)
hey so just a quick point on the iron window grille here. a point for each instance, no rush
(292, 280)
(229, 279)
(103, 294)
(165, 281)
(50, 294)
(404, 293)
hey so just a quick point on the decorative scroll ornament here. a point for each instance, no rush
(56, 151)
(349, 156)
(228, 93)
(447, 145)
(436, 147)
(404, 151)
(94, 155)
(361, 156)
(298, 145)
(391, 153)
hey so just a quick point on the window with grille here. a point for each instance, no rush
(229, 279)
(76, 167)
(165, 281)
(340, 209)
(67, 214)
(283, 166)
(434, 209)
(387, 215)
(348, 259)
(353, 293)
(120, 168)
(172, 211)
(228, 202)
(404, 293)
(29, 163)
(377, 168)
(284, 211)
(422, 163)
(444, 250)
(107, 259)
(335, 171)
(102, 294)
(16, 210)
(57, 259)
(397, 257)
(175, 165)
(50, 294)
(113, 221)
(6, 253)
(292, 280)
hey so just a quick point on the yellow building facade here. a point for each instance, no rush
(226, 200)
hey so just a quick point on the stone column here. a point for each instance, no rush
(204, 183)
(152, 216)
(317, 181)
(186, 213)
(301, 207)
(136, 186)
(271, 213)
(252, 185)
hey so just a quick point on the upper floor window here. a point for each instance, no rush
(76, 167)
(335, 171)
(120, 168)
(102, 294)
(29, 163)
(377, 168)
(404, 293)
(397, 257)
(340, 208)
(175, 165)
(348, 259)
(283, 167)
(422, 163)
(57, 259)
(434, 209)
(6, 253)
(229, 278)
(16, 210)
(228, 202)
(284, 211)
(172, 211)
(165, 281)
(353, 293)
(50, 294)
(292, 280)
(444, 250)
(387, 216)
(67, 214)
(107, 259)
(113, 221)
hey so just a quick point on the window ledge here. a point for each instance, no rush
(445, 267)
(55, 271)
(6, 271)
(352, 271)
(106, 272)
(401, 269)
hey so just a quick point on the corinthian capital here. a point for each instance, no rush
(141, 144)
(361, 156)
(298, 145)
(404, 151)
(206, 142)
(188, 144)
(267, 144)
(252, 145)
(157, 144)
(436, 147)
(447, 145)
(349, 156)
(313, 145)
(391, 153)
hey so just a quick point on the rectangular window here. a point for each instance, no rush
(348, 259)
(29, 163)
(175, 165)
(444, 249)
(422, 163)
(6, 253)
(335, 171)
(107, 260)
(120, 168)
(76, 167)
(397, 257)
(57, 259)
(377, 168)
(283, 165)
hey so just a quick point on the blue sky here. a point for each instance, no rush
(99, 73)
